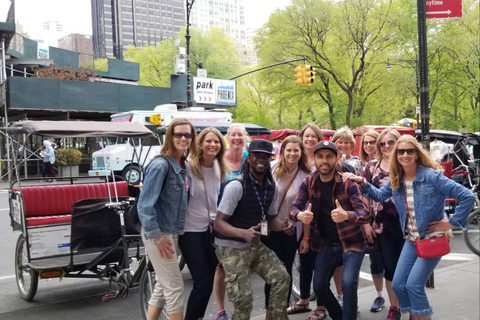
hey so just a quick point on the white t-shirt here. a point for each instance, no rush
(231, 196)
(202, 206)
(438, 149)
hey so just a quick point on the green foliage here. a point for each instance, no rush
(214, 49)
(68, 157)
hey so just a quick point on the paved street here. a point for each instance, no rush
(455, 296)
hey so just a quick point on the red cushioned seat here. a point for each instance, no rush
(53, 203)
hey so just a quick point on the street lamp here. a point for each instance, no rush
(187, 37)
(413, 63)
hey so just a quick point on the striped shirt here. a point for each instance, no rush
(411, 232)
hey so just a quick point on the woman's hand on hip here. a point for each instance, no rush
(440, 225)
(165, 247)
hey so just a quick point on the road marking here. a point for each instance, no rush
(7, 277)
(366, 276)
(460, 257)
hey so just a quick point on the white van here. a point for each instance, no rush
(118, 156)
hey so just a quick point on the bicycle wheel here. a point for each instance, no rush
(472, 233)
(27, 278)
(296, 280)
(147, 283)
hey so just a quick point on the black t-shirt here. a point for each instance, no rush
(327, 228)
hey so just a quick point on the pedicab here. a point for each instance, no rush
(74, 229)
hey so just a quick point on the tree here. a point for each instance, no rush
(340, 38)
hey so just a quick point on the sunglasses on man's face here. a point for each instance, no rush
(382, 144)
(179, 135)
(410, 152)
(371, 142)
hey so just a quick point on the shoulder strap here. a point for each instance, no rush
(288, 188)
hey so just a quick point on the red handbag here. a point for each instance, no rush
(433, 247)
(429, 248)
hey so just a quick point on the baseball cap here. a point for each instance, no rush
(326, 144)
(261, 145)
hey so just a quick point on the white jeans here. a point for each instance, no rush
(168, 290)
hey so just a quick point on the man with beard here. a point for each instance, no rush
(247, 210)
(336, 214)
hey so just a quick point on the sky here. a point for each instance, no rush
(75, 15)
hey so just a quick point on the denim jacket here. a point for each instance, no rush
(162, 206)
(430, 189)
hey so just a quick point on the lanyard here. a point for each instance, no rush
(262, 204)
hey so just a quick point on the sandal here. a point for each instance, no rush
(298, 308)
(318, 314)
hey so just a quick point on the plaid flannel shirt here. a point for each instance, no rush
(349, 196)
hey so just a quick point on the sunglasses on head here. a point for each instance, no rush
(389, 142)
(371, 142)
(179, 135)
(410, 151)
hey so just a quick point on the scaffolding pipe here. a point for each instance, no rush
(4, 102)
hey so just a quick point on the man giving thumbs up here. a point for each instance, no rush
(336, 214)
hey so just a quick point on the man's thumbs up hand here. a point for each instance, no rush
(306, 216)
(338, 214)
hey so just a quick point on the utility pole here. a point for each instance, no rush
(423, 74)
(187, 37)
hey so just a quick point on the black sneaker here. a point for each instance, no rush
(378, 304)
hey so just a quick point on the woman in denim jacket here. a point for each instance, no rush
(415, 180)
(162, 206)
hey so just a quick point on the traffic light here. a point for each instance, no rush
(309, 75)
(300, 75)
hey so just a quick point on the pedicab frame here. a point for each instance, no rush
(95, 263)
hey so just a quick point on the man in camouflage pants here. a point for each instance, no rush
(249, 201)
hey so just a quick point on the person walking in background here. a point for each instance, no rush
(386, 225)
(162, 208)
(48, 155)
(419, 190)
(289, 171)
(337, 214)
(208, 169)
(235, 157)
(249, 201)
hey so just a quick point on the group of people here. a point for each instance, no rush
(230, 211)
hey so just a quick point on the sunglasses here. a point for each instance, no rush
(371, 142)
(410, 152)
(179, 135)
(382, 144)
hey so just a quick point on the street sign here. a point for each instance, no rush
(214, 91)
(440, 9)
(204, 90)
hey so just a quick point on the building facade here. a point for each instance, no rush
(117, 24)
(227, 14)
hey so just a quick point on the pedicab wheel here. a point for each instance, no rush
(27, 278)
(146, 288)
(296, 280)
(472, 233)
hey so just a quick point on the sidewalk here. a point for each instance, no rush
(456, 295)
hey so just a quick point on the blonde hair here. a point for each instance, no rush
(195, 161)
(394, 133)
(168, 148)
(302, 162)
(346, 134)
(363, 155)
(422, 158)
(237, 125)
(314, 128)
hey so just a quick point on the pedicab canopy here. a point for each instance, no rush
(72, 129)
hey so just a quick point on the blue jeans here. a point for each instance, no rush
(331, 257)
(409, 281)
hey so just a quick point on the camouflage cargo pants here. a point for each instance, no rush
(237, 264)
